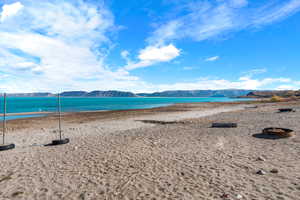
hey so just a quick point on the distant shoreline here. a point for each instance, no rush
(30, 115)
(88, 106)
(27, 113)
(238, 97)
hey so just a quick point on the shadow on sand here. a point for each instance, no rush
(267, 136)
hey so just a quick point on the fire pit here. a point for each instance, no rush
(279, 132)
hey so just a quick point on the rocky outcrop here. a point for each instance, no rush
(269, 94)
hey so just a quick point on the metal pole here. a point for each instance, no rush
(4, 118)
(59, 116)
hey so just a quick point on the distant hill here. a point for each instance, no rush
(73, 94)
(172, 93)
(38, 94)
(111, 93)
(197, 93)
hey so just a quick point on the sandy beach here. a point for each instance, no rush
(161, 153)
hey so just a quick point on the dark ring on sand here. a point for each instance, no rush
(274, 133)
(4, 147)
(280, 132)
(224, 125)
(59, 142)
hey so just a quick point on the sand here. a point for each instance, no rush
(174, 154)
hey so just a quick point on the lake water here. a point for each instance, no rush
(49, 104)
(11, 117)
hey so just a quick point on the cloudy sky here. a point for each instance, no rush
(146, 46)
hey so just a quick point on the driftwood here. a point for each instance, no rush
(251, 107)
(224, 125)
(58, 142)
(286, 110)
(161, 122)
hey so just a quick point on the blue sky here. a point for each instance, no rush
(147, 46)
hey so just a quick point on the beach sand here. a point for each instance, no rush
(161, 153)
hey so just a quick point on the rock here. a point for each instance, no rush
(239, 196)
(260, 159)
(82, 196)
(261, 172)
(102, 192)
(225, 196)
(15, 194)
(274, 171)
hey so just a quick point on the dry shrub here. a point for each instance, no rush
(276, 99)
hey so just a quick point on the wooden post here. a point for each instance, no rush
(4, 118)
(59, 115)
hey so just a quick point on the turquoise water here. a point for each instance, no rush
(22, 116)
(49, 104)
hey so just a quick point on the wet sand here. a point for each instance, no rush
(133, 155)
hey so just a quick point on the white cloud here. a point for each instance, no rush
(188, 68)
(214, 58)
(167, 32)
(209, 19)
(125, 54)
(242, 83)
(53, 45)
(287, 87)
(9, 10)
(159, 54)
(270, 14)
(154, 54)
(253, 72)
(58, 45)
